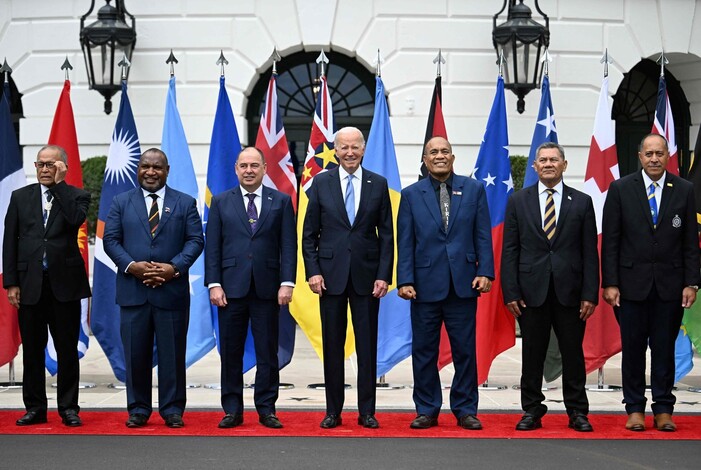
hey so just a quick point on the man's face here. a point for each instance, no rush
(439, 158)
(250, 169)
(549, 165)
(654, 157)
(349, 149)
(46, 171)
(152, 172)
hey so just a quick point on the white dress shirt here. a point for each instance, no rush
(658, 188)
(543, 197)
(357, 184)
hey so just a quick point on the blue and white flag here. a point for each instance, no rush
(200, 332)
(545, 131)
(120, 176)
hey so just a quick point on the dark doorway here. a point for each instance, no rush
(634, 111)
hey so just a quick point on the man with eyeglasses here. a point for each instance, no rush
(45, 278)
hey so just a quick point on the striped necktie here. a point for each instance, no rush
(653, 203)
(153, 217)
(549, 224)
(350, 200)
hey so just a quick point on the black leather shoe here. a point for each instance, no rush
(368, 421)
(270, 421)
(529, 423)
(32, 417)
(423, 422)
(331, 421)
(137, 420)
(470, 422)
(71, 419)
(231, 421)
(174, 421)
(580, 422)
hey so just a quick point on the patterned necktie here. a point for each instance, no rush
(653, 203)
(47, 205)
(445, 205)
(153, 217)
(350, 200)
(549, 219)
(252, 212)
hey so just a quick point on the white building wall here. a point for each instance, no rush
(36, 35)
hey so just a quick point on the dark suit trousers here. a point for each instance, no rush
(139, 325)
(63, 319)
(233, 328)
(654, 322)
(334, 322)
(536, 324)
(459, 316)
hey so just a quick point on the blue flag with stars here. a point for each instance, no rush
(545, 131)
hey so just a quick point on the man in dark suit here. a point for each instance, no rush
(153, 234)
(650, 271)
(44, 274)
(445, 261)
(250, 269)
(348, 249)
(550, 280)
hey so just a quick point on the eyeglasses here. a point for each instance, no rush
(41, 165)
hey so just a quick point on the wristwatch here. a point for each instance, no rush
(696, 288)
(176, 273)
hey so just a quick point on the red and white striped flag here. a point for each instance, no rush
(602, 338)
(664, 125)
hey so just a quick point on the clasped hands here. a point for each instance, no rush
(151, 273)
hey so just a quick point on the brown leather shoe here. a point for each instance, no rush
(663, 422)
(636, 422)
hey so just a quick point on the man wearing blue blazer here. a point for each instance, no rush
(348, 249)
(445, 261)
(153, 234)
(250, 269)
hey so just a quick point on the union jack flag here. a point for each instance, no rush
(272, 142)
(320, 153)
(664, 125)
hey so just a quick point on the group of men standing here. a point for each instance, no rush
(549, 269)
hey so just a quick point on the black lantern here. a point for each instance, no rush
(522, 41)
(104, 43)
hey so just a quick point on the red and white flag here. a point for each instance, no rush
(602, 338)
(664, 125)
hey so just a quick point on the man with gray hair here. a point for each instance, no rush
(44, 274)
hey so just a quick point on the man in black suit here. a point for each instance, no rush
(550, 279)
(650, 270)
(153, 233)
(44, 274)
(348, 249)
(250, 269)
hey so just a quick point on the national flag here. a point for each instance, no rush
(663, 124)
(692, 316)
(224, 148)
(683, 355)
(544, 131)
(11, 177)
(200, 331)
(394, 323)
(435, 127)
(495, 325)
(602, 338)
(120, 176)
(64, 135)
(320, 157)
(280, 174)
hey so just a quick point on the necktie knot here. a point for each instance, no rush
(251, 197)
(48, 195)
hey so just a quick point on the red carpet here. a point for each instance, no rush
(306, 424)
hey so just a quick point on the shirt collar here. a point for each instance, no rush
(44, 189)
(258, 192)
(558, 187)
(648, 181)
(342, 173)
(161, 192)
(437, 184)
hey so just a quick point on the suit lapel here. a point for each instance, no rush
(365, 193)
(667, 193)
(640, 193)
(236, 196)
(266, 204)
(455, 199)
(139, 203)
(431, 201)
(533, 207)
(170, 201)
(336, 192)
(565, 205)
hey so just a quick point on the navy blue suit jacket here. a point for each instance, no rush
(234, 255)
(178, 240)
(429, 257)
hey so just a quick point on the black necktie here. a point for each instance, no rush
(153, 217)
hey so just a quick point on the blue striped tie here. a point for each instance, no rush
(653, 203)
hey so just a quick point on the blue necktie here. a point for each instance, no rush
(350, 200)
(252, 212)
(653, 203)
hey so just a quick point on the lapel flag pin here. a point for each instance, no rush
(166, 209)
